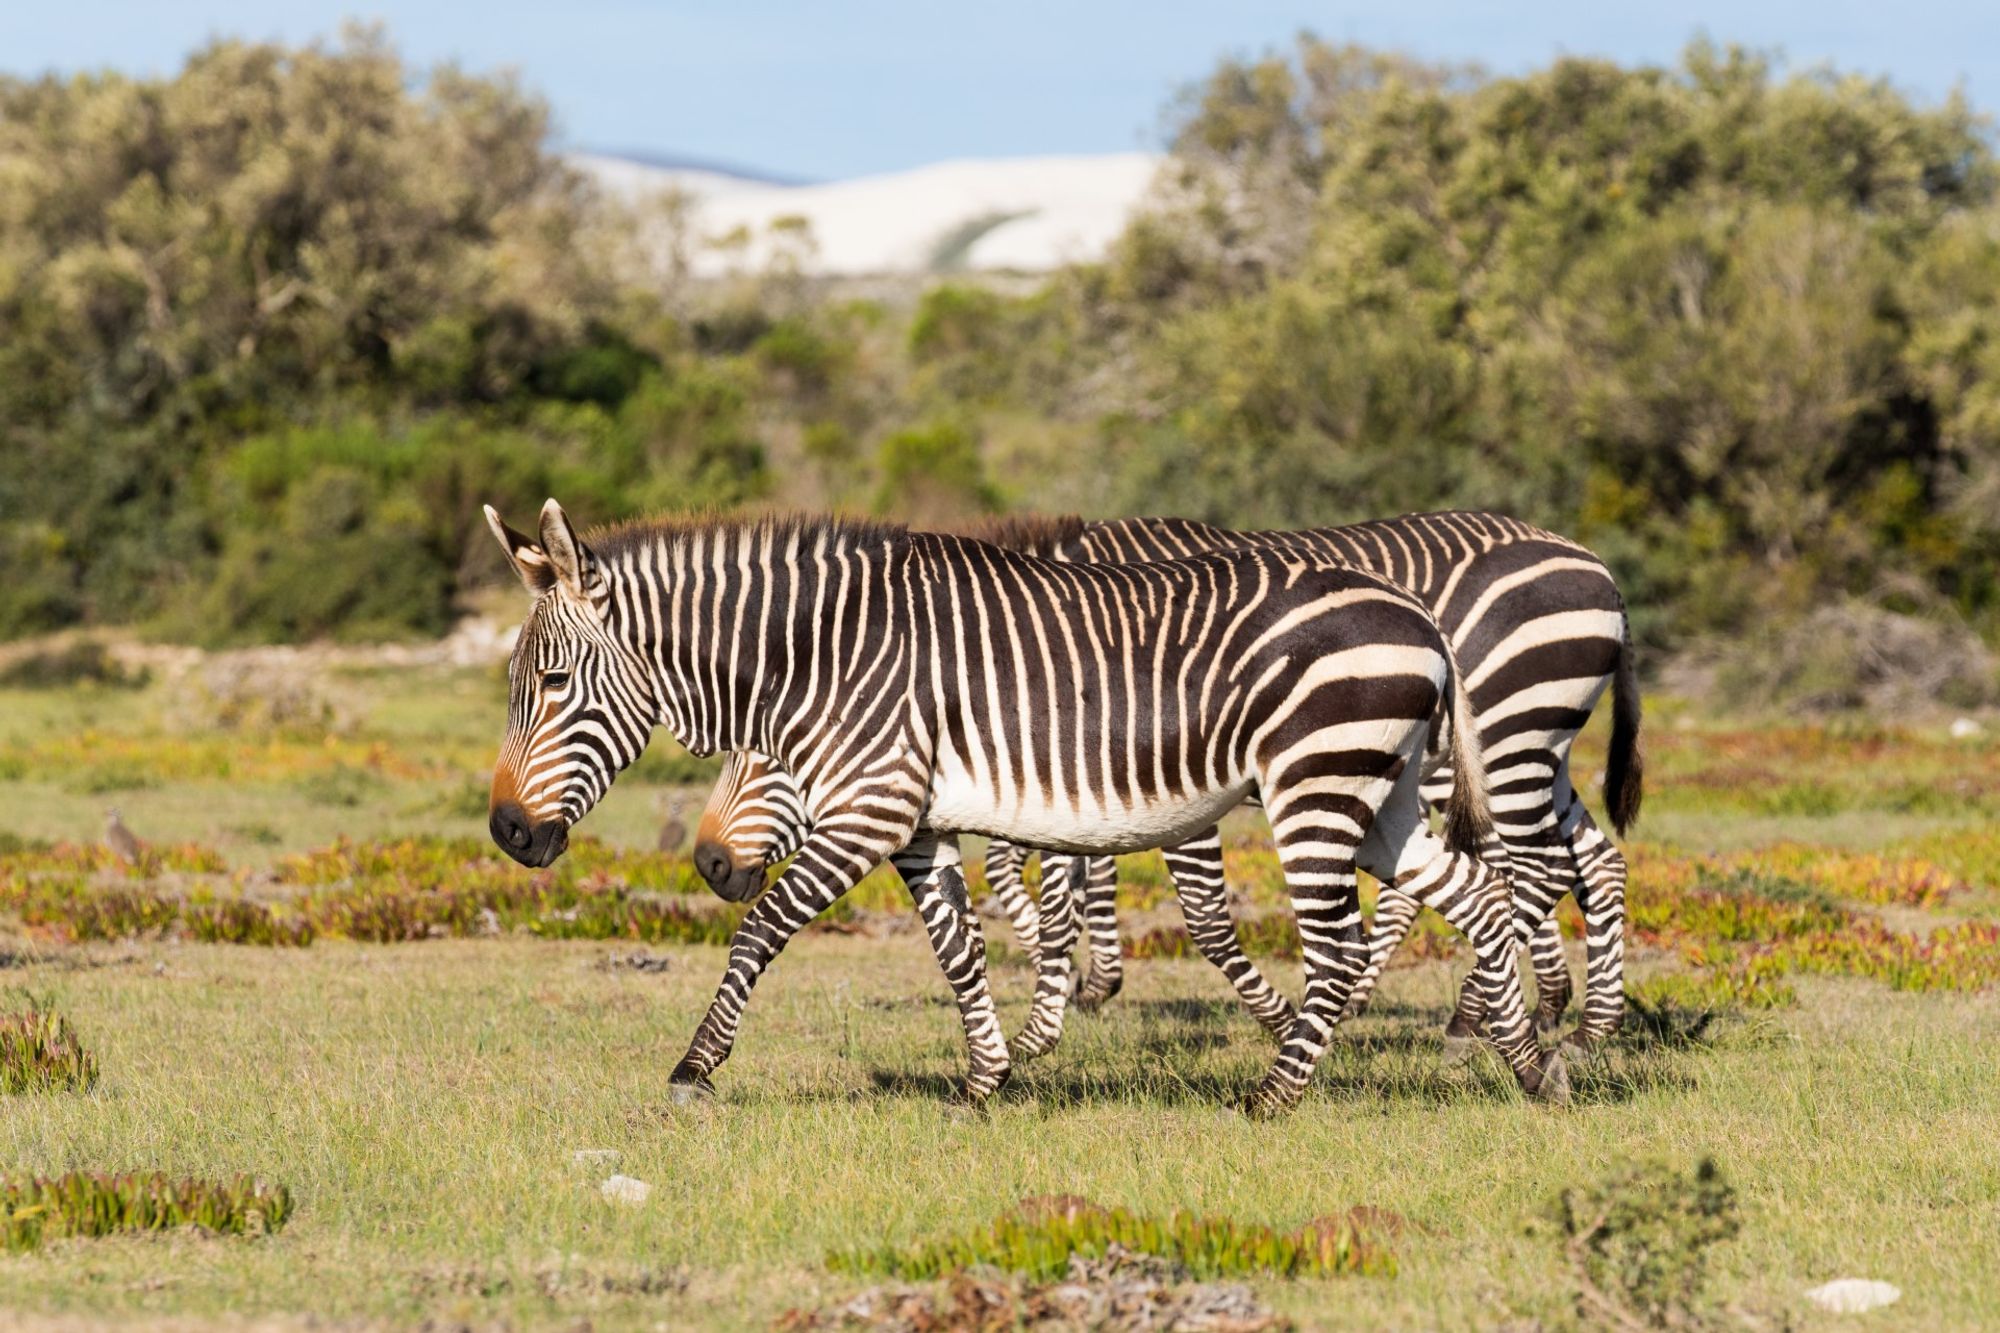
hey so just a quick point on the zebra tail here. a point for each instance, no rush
(1625, 767)
(1468, 811)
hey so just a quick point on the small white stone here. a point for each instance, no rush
(624, 1189)
(1965, 728)
(1854, 1295)
(595, 1157)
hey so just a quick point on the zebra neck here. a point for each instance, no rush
(753, 633)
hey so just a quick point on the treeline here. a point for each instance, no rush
(272, 329)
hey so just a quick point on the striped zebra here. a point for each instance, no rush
(1539, 629)
(918, 686)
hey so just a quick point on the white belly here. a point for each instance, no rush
(961, 804)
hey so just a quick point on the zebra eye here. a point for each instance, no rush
(554, 680)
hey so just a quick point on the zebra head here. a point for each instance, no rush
(580, 704)
(755, 818)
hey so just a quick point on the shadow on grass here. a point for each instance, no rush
(1395, 1069)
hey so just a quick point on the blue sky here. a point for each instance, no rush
(842, 87)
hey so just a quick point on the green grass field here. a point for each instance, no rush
(1810, 1029)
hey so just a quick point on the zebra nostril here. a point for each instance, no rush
(711, 864)
(518, 835)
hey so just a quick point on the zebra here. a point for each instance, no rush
(1538, 625)
(921, 685)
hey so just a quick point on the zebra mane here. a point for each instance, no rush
(613, 541)
(1030, 534)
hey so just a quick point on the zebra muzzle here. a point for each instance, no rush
(532, 844)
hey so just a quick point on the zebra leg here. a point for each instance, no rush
(1100, 920)
(1196, 867)
(1317, 853)
(832, 860)
(1395, 913)
(1552, 980)
(931, 868)
(1004, 864)
(1539, 863)
(1401, 849)
(1059, 925)
(1601, 894)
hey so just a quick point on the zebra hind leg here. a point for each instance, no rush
(1401, 850)
(1196, 867)
(1060, 922)
(1469, 894)
(1100, 924)
(1317, 853)
(1601, 875)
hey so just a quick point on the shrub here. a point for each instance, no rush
(81, 662)
(1038, 1238)
(89, 1204)
(39, 1052)
(932, 474)
(1638, 1243)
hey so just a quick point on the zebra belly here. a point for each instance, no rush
(961, 804)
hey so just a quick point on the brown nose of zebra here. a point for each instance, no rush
(531, 845)
(737, 884)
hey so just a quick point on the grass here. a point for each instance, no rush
(424, 1102)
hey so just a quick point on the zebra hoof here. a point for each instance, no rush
(1552, 1088)
(690, 1092)
(1580, 1046)
(1030, 1046)
(1094, 993)
(1264, 1104)
(1458, 1050)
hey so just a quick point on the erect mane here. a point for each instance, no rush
(614, 540)
(1030, 534)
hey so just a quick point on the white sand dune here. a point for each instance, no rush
(1028, 214)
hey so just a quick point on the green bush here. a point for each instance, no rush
(1638, 1243)
(39, 1052)
(40, 1208)
(79, 662)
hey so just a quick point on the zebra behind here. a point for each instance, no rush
(919, 686)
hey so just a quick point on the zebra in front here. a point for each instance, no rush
(1539, 628)
(918, 686)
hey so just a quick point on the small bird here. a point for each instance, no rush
(124, 844)
(674, 832)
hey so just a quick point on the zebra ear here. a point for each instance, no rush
(530, 562)
(571, 558)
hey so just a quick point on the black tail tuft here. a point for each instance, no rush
(1625, 768)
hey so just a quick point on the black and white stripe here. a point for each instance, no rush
(919, 686)
(1539, 628)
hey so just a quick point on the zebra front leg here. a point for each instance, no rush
(832, 860)
(1100, 923)
(930, 867)
(1004, 864)
(1059, 925)
(1196, 868)
(1600, 892)
(1395, 913)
